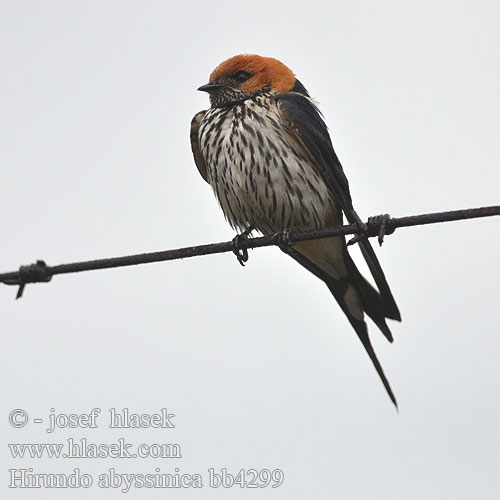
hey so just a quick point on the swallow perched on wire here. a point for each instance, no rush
(265, 150)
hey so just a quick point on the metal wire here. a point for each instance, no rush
(375, 226)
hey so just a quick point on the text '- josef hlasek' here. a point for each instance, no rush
(116, 419)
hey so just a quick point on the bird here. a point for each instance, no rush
(264, 148)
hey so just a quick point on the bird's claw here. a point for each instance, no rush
(378, 225)
(241, 243)
(380, 222)
(285, 241)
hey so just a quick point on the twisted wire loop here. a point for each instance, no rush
(379, 226)
(38, 272)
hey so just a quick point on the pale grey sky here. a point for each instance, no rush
(259, 364)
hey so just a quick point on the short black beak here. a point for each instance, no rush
(210, 87)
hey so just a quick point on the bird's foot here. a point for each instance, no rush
(378, 225)
(362, 232)
(241, 243)
(285, 241)
(380, 222)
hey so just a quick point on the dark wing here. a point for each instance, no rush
(306, 124)
(195, 144)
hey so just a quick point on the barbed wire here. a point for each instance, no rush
(379, 226)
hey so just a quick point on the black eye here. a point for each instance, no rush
(242, 76)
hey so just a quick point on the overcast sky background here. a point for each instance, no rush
(259, 364)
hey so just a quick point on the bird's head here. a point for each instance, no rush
(244, 76)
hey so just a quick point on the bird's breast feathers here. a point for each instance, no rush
(261, 175)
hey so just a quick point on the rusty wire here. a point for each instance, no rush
(40, 272)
